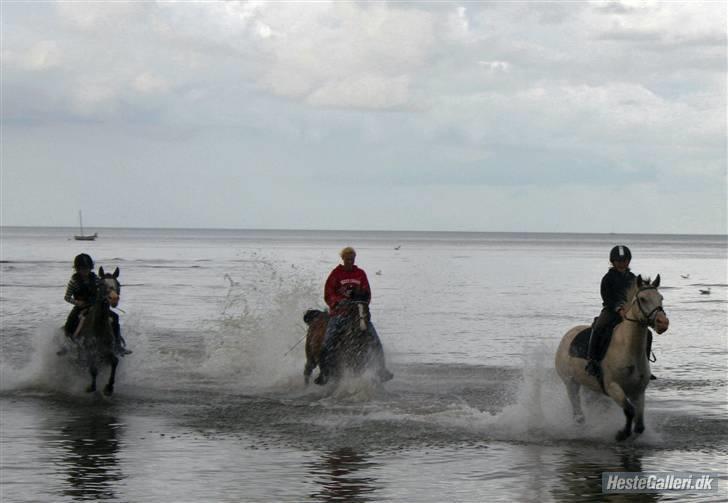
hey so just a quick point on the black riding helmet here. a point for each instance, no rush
(83, 260)
(620, 252)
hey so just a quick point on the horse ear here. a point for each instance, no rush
(116, 273)
(639, 281)
(656, 283)
(101, 272)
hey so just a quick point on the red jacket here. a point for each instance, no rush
(342, 284)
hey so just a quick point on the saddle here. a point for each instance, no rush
(580, 344)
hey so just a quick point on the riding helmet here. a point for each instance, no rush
(620, 252)
(83, 260)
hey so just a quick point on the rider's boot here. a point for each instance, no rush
(592, 366)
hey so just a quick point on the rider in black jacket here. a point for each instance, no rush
(615, 285)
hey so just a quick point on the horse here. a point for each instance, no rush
(354, 347)
(625, 366)
(95, 336)
(317, 322)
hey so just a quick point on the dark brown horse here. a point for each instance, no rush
(355, 345)
(95, 336)
(317, 322)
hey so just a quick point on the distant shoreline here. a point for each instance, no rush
(400, 232)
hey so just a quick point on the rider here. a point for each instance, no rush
(346, 282)
(615, 284)
(81, 292)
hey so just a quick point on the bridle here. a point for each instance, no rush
(104, 287)
(649, 317)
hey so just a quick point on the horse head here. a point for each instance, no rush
(357, 313)
(646, 305)
(109, 288)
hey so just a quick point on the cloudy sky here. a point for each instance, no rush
(605, 116)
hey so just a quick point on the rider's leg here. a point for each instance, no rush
(72, 321)
(119, 342)
(595, 340)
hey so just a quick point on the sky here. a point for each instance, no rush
(604, 116)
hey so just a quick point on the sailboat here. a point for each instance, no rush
(82, 236)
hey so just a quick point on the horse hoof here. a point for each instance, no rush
(321, 380)
(622, 435)
(90, 388)
(640, 428)
(108, 389)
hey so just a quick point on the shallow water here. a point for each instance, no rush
(209, 407)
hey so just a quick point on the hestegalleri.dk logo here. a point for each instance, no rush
(657, 482)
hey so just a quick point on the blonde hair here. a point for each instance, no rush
(346, 250)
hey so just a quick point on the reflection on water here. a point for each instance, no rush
(89, 455)
(580, 476)
(338, 478)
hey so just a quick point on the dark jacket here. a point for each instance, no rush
(615, 286)
(78, 289)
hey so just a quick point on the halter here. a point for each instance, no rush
(649, 317)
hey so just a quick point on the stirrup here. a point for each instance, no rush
(651, 357)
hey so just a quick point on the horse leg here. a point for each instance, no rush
(639, 419)
(616, 392)
(308, 369)
(572, 389)
(109, 388)
(94, 372)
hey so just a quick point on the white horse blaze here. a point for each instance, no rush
(362, 320)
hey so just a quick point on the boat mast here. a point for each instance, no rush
(80, 221)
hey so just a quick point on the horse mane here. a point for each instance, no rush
(633, 288)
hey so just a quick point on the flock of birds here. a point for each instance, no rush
(703, 291)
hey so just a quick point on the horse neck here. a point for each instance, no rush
(98, 315)
(631, 334)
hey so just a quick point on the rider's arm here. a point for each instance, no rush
(71, 289)
(331, 293)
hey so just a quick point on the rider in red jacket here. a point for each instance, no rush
(346, 282)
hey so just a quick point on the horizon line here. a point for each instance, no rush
(281, 229)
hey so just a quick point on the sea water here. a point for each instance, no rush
(211, 405)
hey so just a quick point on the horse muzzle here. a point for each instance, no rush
(113, 299)
(662, 323)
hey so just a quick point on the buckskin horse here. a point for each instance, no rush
(625, 366)
(95, 336)
(354, 348)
